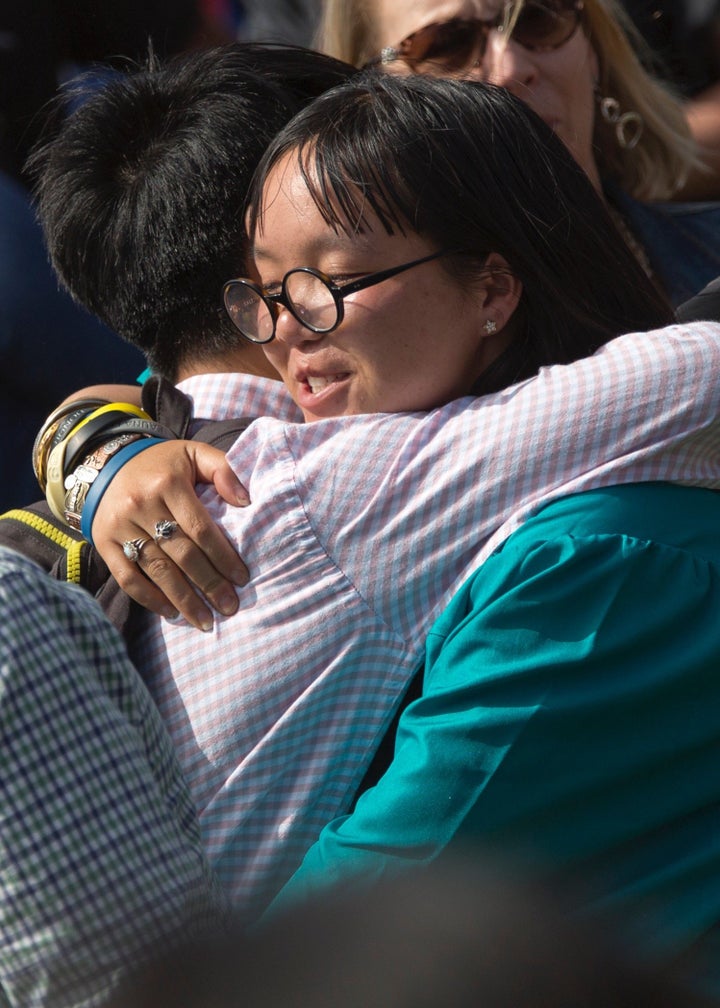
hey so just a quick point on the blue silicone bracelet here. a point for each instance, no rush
(104, 478)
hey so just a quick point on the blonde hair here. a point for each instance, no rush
(654, 169)
(347, 27)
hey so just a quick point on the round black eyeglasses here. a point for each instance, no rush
(312, 297)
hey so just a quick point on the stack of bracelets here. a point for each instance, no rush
(79, 449)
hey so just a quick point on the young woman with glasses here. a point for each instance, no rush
(567, 704)
(574, 63)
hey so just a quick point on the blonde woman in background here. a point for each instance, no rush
(573, 63)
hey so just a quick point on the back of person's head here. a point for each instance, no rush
(141, 192)
(458, 935)
(472, 169)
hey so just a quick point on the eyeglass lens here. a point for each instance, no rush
(450, 45)
(306, 295)
(249, 312)
(310, 300)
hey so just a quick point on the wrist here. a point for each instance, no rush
(78, 482)
(105, 476)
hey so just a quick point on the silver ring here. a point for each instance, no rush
(164, 529)
(132, 548)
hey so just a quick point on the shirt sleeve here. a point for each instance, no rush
(569, 706)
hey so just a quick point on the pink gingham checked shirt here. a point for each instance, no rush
(359, 532)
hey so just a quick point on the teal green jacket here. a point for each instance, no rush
(570, 714)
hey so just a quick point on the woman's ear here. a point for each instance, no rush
(501, 291)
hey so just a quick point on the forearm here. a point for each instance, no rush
(110, 393)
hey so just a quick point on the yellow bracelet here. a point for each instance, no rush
(107, 408)
(42, 475)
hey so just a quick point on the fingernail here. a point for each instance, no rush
(204, 622)
(240, 577)
(242, 500)
(227, 604)
(169, 613)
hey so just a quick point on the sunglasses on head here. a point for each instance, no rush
(451, 46)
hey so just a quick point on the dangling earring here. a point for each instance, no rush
(490, 326)
(629, 126)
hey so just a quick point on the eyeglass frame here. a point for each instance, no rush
(390, 54)
(338, 292)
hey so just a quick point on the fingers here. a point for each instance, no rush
(133, 582)
(211, 466)
(156, 582)
(180, 568)
(191, 568)
(200, 547)
(166, 574)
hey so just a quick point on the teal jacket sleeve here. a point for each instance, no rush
(569, 713)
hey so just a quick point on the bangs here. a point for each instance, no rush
(349, 192)
(350, 165)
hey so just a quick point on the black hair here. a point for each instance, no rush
(469, 167)
(141, 193)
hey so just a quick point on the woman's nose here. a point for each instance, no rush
(291, 332)
(507, 64)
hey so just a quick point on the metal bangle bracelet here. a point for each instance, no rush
(80, 441)
(55, 483)
(59, 413)
(78, 482)
(40, 451)
(100, 485)
(97, 436)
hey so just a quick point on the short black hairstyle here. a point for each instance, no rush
(141, 191)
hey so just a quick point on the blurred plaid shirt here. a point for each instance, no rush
(100, 857)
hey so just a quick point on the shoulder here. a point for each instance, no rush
(682, 240)
(696, 221)
(601, 543)
(678, 516)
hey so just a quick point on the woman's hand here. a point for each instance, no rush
(158, 485)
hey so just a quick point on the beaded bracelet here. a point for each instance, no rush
(104, 478)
